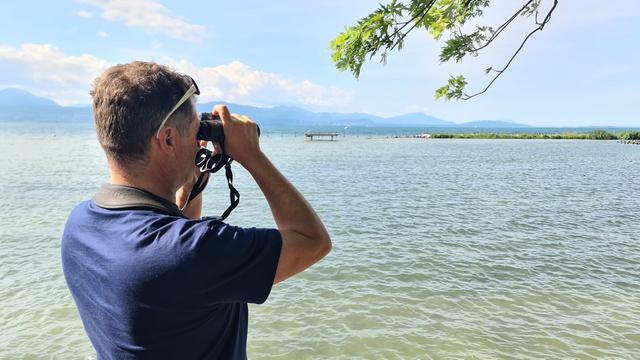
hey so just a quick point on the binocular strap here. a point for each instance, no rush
(234, 194)
(212, 163)
(199, 186)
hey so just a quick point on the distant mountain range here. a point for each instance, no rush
(20, 105)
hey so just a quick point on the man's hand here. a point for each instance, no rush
(241, 135)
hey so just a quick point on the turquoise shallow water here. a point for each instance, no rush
(478, 249)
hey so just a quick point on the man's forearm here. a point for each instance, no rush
(289, 208)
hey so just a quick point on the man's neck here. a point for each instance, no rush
(155, 184)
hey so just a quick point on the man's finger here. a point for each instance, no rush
(246, 118)
(222, 111)
(237, 117)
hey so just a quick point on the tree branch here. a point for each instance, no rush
(500, 28)
(415, 21)
(540, 27)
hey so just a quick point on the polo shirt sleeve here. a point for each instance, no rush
(232, 264)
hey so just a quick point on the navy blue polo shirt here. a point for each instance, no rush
(152, 285)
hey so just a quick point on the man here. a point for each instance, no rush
(151, 281)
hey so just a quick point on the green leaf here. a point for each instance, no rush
(454, 89)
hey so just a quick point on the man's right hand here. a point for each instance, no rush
(241, 135)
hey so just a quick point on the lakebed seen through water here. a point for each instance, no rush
(442, 248)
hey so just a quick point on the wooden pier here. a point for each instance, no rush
(321, 135)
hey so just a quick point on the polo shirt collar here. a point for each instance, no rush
(123, 197)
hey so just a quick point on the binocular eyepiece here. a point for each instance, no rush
(211, 128)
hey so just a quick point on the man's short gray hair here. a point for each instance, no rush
(129, 103)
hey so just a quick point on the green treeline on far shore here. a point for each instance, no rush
(593, 135)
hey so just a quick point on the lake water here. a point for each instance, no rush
(476, 249)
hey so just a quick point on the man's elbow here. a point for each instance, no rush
(325, 246)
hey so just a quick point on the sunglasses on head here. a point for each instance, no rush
(193, 89)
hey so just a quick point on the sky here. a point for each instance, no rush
(582, 70)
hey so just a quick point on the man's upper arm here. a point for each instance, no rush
(298, 253)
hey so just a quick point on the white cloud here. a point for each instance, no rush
(148, 15)
(238, 82)
(83, 13)
(45, 70)
(103, 34)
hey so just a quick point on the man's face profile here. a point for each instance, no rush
(187, 149)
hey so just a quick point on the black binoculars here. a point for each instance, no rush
(211, 128)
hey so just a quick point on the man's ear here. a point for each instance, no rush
(167, 139)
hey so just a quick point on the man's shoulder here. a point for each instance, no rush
(89, 219)
(89, 209)
(78, 212)
(81, 206)
(89, 216)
